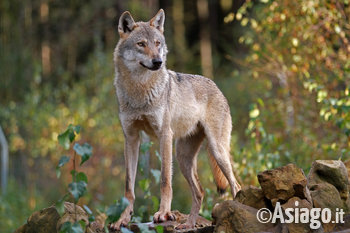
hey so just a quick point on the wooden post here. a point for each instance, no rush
(4, 161)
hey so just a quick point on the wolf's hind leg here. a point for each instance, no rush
(218, 137)
(186, 154)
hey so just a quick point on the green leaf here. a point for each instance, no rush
(76, 129)
(77, 189)
(73, 173)
(144, 228)
(85, 151)
(60, 205)
(87, 209)
(64, 139)
(82, 224)
(159, 229)
(156, 175)
(91, 218)
(145, 146)
(63, 160)
(76, 228)
(58, 172)
(68, 227)
(144, 184)
(155, 202)
(73, 131)
(114, 211)
(68, 136)
(125, 230)
(81, 176)
(158, 156)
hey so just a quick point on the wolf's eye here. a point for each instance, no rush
(157, 43)
(141, 44)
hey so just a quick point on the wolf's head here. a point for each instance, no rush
(142, 43)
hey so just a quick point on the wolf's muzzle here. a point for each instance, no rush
(156, 64)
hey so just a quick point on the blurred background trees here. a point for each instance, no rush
(283, 65)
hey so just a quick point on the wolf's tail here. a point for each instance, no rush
(219, 177)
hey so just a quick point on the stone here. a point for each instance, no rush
(21, 229)
(283, 183)
(343, 227)
(325, 195)
(330, 171)
(235, 217)
(202, 225)
(297, 227)
(41, 221)
(70, 215)
(347, 165)
(49, 220)
(252, 196)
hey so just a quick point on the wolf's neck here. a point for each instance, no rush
(140, 87)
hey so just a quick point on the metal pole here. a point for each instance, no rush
(4, 161)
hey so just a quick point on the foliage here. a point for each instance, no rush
(300, 53)
(77, 188)
(150, 203)
(114, 211)
(208, 204)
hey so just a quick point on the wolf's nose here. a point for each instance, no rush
(157, 62)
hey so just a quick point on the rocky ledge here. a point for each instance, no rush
(326, 186)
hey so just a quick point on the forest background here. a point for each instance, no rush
(284, 67)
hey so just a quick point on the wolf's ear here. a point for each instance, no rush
(158, 21)
(126, 24)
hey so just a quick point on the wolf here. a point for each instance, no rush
(169, 106)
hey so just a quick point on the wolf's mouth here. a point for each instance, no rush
(154, 67)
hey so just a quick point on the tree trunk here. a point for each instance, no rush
(205, 43)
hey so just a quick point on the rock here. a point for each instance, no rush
(70, 216)
(343, 227)
(347, 165)
(329, 187)
(253, 197)
(41, 221)
(49, 220)
(325, 195)
(283, 183)
(330, 171)
(202, 225)
(232, 217)
(297, 227)
(98, 225)
(21, 229)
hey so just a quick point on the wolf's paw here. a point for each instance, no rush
(122, 222)
(163, 216)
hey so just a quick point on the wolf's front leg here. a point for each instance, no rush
(131, 154)
(166, 192)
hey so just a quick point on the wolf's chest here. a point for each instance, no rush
(185, 118)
